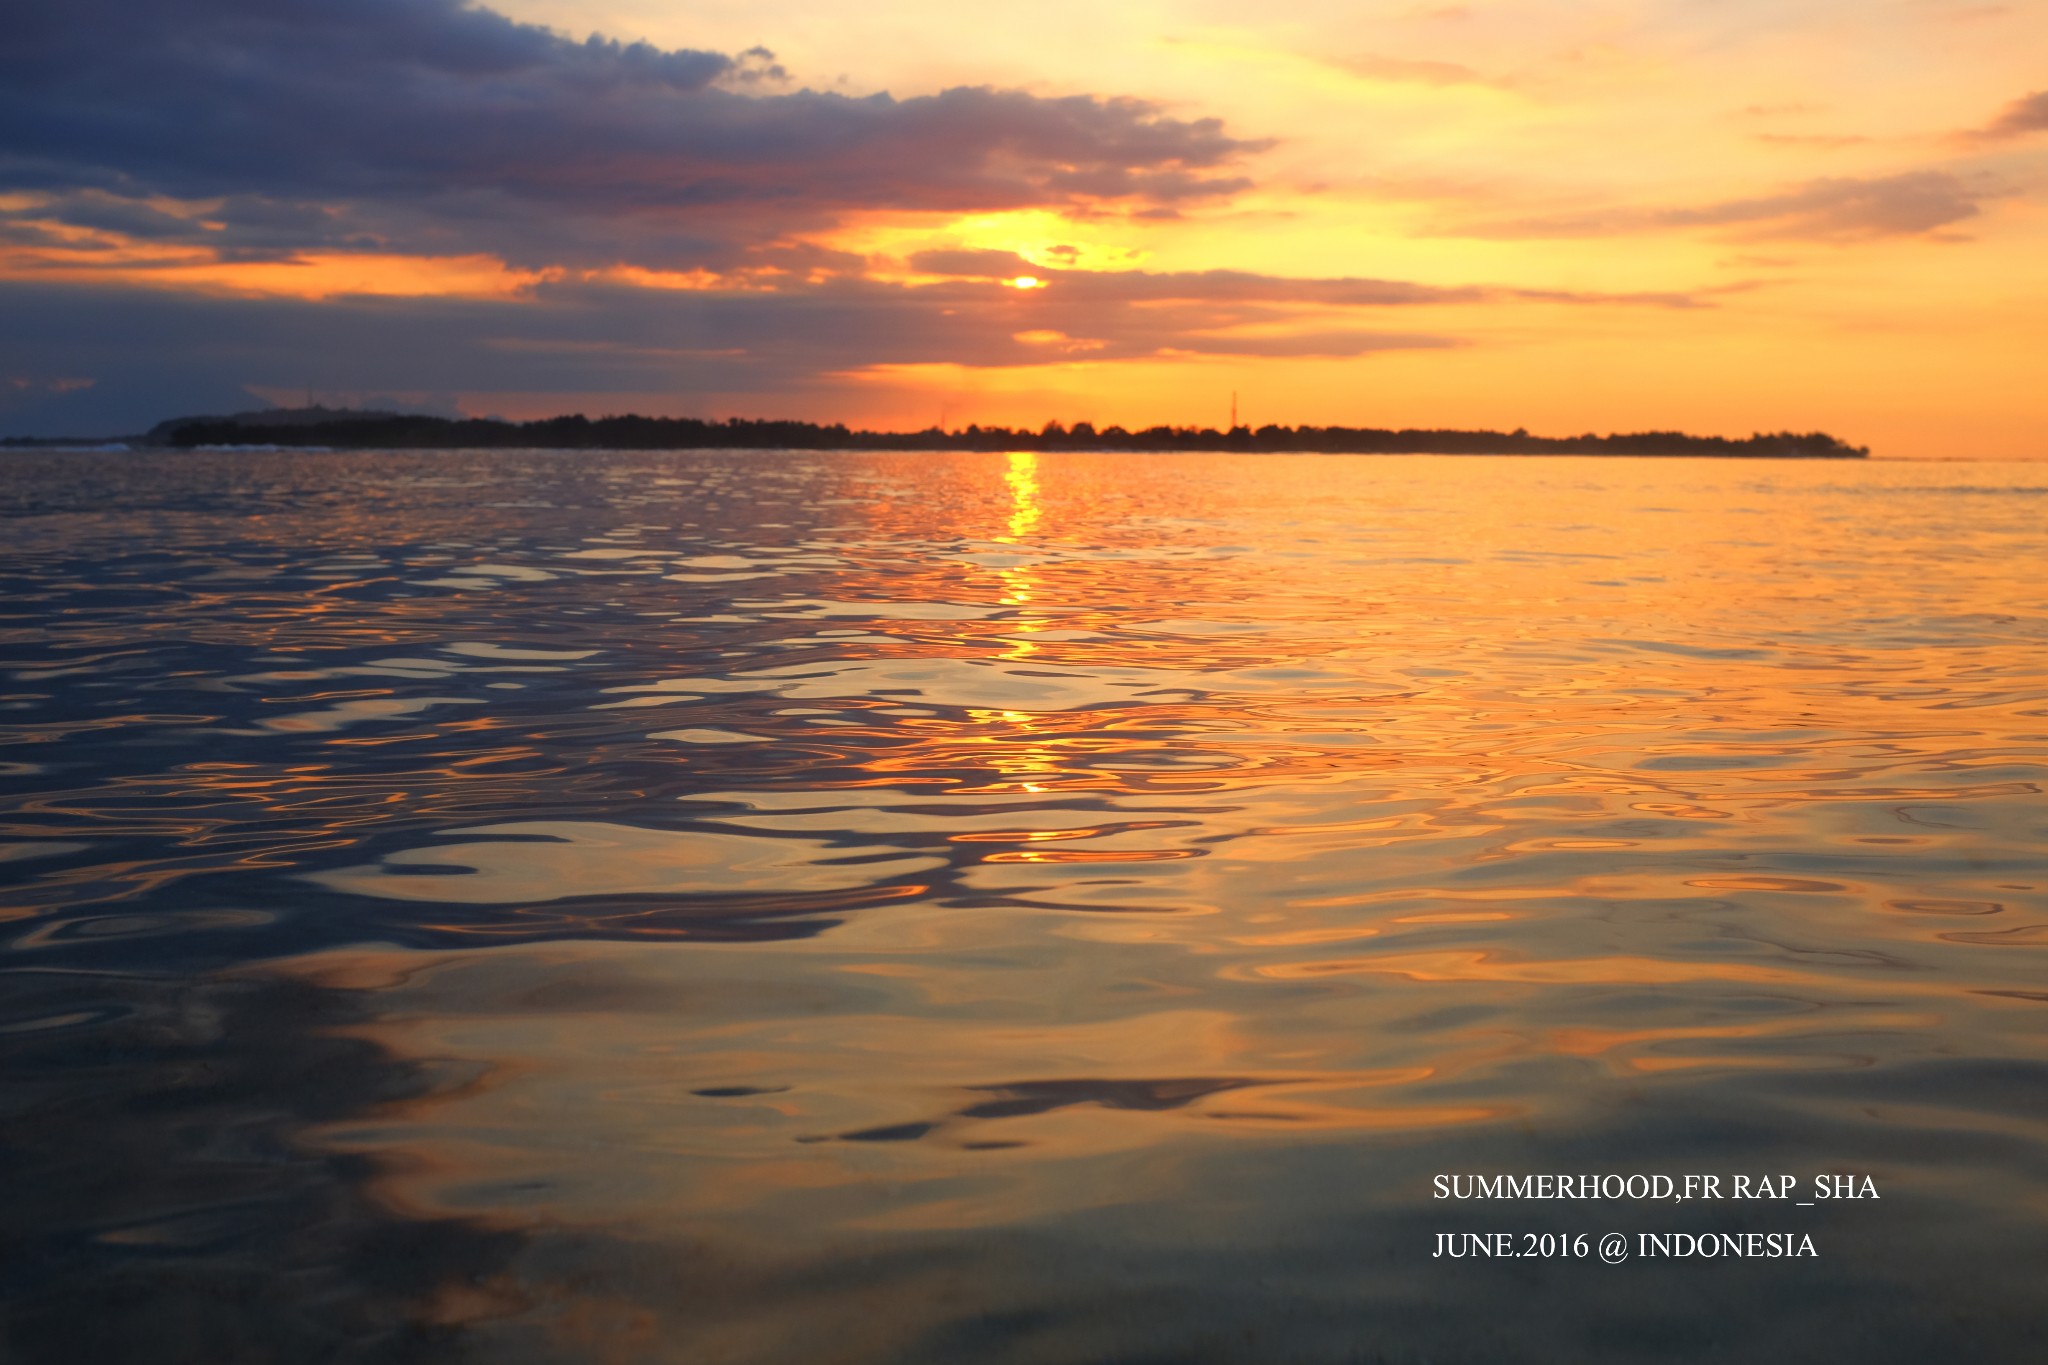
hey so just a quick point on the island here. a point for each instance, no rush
(344, 429)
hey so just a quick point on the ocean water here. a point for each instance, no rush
(1022, 909)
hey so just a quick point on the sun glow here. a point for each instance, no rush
(1026, 282)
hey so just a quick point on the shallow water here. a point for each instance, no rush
(1037, 908)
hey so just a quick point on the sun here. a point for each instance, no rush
(1026, 282)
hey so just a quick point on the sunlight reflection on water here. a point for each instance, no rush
(751, 907)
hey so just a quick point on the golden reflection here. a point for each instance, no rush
(1021, 476)
(1004, 743)
(1007, 737)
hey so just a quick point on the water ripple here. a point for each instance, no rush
(975, 884)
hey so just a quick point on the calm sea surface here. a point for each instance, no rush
(1029, 909)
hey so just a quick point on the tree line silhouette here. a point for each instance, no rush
(387, 431)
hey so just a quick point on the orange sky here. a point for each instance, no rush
(1635, 213)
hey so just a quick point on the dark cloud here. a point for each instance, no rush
(1834, 209)
(973, 264)
(265, 129)
(593, 338)
(422, 125)
(583, 338)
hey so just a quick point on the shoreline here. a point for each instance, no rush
(351, 429)
(13, 445)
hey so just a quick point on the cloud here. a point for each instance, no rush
(145, 135)
(586, 338)
(598, 336)
(1832, 209)
(426, 126)
(1240, 287)
(2021, 118)
(1836, 208)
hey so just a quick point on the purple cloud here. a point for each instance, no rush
(1243, 287)
(2023, 116)
(426, 126)
(1833, 209)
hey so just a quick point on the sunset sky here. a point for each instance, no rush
(1597, 215)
